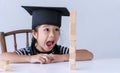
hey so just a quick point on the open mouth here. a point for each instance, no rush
(50, 44)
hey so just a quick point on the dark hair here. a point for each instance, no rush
(34, 41)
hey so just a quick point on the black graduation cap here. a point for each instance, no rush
(46, 15)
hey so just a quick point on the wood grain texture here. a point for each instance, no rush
(72, 57)
(4, 65)
(13, 34)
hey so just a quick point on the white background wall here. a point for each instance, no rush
(98, 23)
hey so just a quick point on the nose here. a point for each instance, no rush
(52, 34)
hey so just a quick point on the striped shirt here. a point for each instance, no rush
(58, 49)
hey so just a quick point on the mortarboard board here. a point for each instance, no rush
(46, 15)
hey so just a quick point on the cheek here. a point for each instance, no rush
(57, 36)
(41, 40)
(41, 37)
(41, 34)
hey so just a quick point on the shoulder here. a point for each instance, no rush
(23, 51)
(63, 49)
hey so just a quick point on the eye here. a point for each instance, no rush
(46, 29)
(57, 29)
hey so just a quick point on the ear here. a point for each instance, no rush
(35, 34)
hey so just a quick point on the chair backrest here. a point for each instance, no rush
(14, 33)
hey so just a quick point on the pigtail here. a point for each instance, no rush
(33, 42)
(33, 45)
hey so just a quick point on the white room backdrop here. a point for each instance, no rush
(98, 23)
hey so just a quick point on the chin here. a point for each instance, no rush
(48, 49)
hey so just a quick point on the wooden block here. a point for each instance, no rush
(7, 68)
(4, 65)
(72, 61)
(72, 25)
(72, 67)
(72, 52)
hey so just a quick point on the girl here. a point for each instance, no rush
(46, 23)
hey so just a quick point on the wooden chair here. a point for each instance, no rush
(13, 33)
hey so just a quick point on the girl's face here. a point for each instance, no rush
(46, 36)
